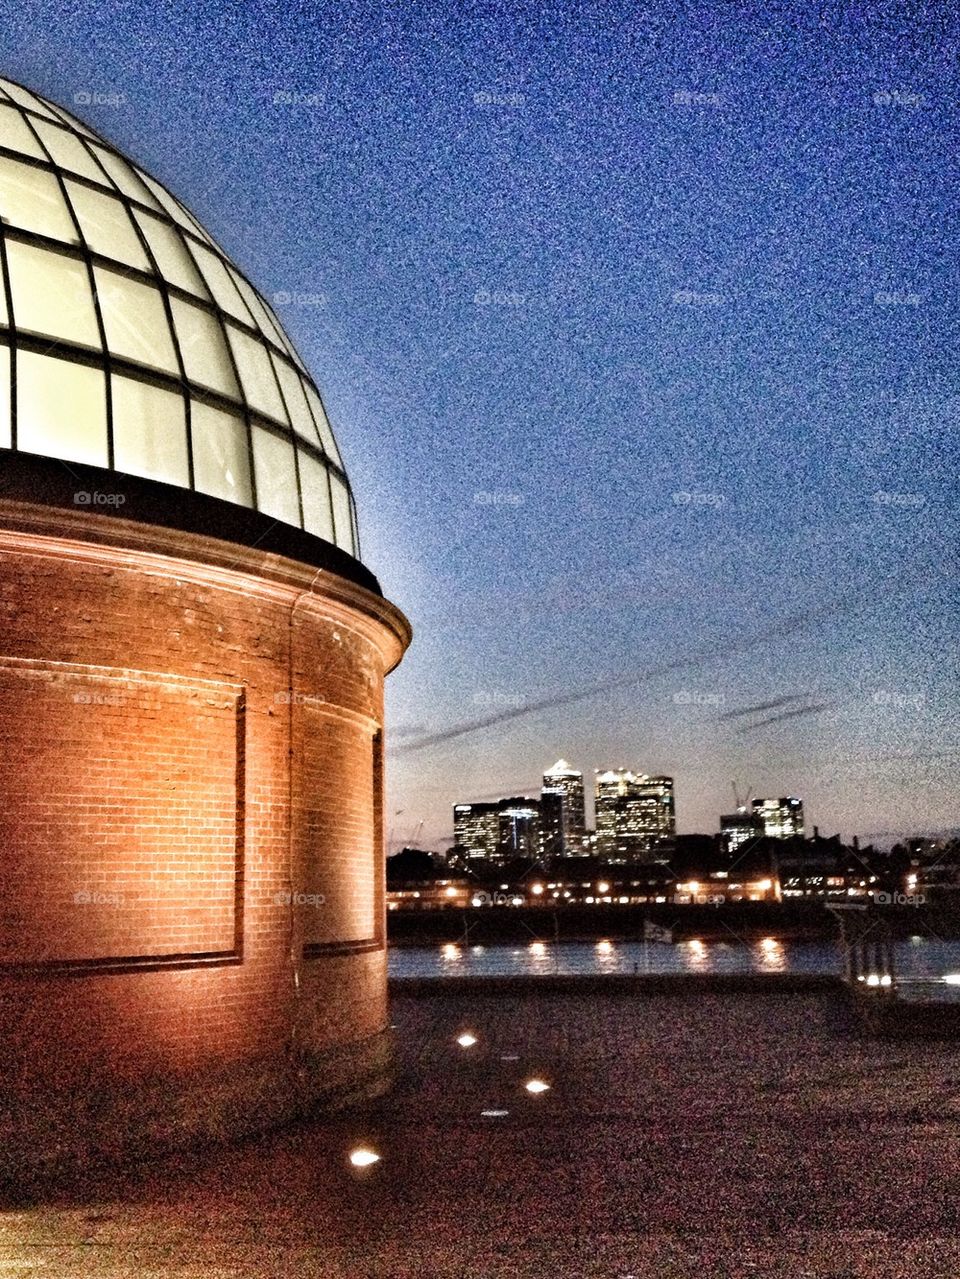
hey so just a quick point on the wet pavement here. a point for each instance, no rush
(692, 1134)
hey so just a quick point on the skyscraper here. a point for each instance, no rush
(476, 831)
(635, 815)
(781, 818)
(739, 828)
(611, 787)
(562, 814)
(655, 814)
(519, 819)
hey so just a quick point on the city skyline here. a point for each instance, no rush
(634, 819)
(737, 801)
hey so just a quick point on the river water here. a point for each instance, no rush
(916, 958)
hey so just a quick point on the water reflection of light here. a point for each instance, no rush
(772, 957)
(730, 955)
(697, 957)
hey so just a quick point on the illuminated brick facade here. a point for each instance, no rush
(192, 918)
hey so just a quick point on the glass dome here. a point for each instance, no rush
(129, 340)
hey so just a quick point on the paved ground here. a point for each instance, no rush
(701, 1135)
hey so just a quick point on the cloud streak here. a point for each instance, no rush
(783, 628)
(792, 714)
(762, 706)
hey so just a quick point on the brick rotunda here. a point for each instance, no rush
(192, 660)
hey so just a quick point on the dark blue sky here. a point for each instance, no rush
(639, 333)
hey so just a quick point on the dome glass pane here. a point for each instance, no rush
(189, 340)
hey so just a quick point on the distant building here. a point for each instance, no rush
(635, 815)
(781, 818)
(610, 788)
(562, 811)
(519, 828)
(431, 894)
(476, 831)
(655, 813)
(742, 827)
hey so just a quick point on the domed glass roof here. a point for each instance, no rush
(128, 339)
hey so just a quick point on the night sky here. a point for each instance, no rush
(639, 333)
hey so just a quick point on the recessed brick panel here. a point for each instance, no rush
(123, 839)
(336, 829)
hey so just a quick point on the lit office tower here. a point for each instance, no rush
(635, 815)
(562, 818)
(781, 818)
(739, 828)
(519, 827)
(611, 787)
(476, 831)
(655, 814)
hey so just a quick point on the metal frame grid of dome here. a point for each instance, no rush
(130, 341)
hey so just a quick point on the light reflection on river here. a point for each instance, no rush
(915, 957)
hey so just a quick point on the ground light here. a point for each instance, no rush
(466, 1040)
(363, 1158)
(536, 1086)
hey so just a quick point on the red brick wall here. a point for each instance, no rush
(336, 825)
(205, 753)
(122, 836)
